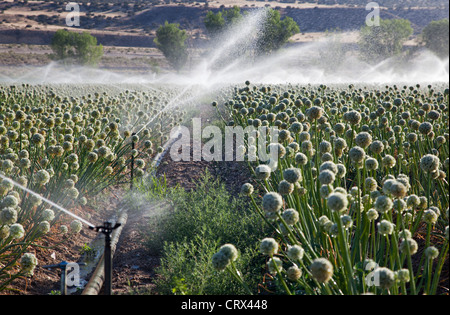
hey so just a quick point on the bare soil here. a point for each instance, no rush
(52, 250)
(134, 265)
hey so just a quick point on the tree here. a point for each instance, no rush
(377, 43)
(435, 37)
(171, 41)
(76, 48)
(233, 15)
(215, 23)
(275, 32)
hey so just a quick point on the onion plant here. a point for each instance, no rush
(360, 188)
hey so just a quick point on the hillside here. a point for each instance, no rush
(122, 24)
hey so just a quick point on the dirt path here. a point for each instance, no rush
(134, 266)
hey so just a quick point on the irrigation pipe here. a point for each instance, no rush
(95, 284)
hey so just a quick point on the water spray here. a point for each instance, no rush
(48, 201)
(107, 228)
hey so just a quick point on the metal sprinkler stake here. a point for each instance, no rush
(63, 266)
(132, 162)
(107, 229)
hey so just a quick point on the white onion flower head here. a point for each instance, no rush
(10, 201)
(431, 252)
(333, 230)
(329, 165)
(44, 227)
(72, 193)
(388, 161)
(274, 264)
(347, 221)
(399, 205)
(285, 187)
(16, 231)
(220, 261)
(323, 220)
(230, 251)
(35, 200)
(263, 171)
(76, 226)
(272, 202)
(385, 276)
(413, 201)
(429, 163)
(295, 252)
(342, 170)
(430, 216)
(28, 263)
(247, 189)
(301, 158)
(63, 229)
(48, 215)
(292, 175)
(357, 154)
(387, 183)
(8, 216)
(42, 177)
(322, 270)
(325, 191)
(371, 184)
(397, 189)
(383, 204)
(269, 246)
(370, 265)
(341, 190)
(291, 216)
(363, 139)
(293, 273)
(405, 234)
(411, 243)
(327, 177)
(403, 275)
(337, 202)
(385, 227)
(4, 232)
(371, 164)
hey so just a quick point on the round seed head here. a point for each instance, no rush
(269, 246)
(322, 270)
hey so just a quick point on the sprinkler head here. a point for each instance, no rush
(106, 228)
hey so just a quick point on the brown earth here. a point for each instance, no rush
(70, 249)
(134, 265)
(36, 21)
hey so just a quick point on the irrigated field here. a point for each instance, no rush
(351, 198)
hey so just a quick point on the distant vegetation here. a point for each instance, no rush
(385, 3)
(388, 3)
(384, 41)
(387, 40)
(275, 32)
(216, 23)
(76, 48)
(171, 40)
(435, 37)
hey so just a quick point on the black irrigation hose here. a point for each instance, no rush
(97, 280)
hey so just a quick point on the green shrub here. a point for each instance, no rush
(188, 234)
